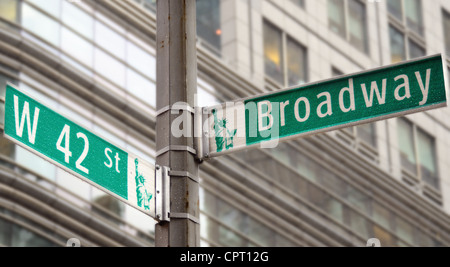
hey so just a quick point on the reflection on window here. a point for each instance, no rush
(448, 75)
(208, 22)
(398, 52)
(296, 55)
(386, 239)
(395, 8)
(35, 163)
(4, 79)
(415, 50)
(381, 215)
(336, 18)
(404, 230)
(110, 204)
(334, 208)
(78, 20)
(142, 60)
(273, 58)
(73, 184)
(205, 98)
(40, 24)
(357, 24)
(427, 159)
(347, 18)
(366, 132)
(260, 233)
(149, 4)
(53, 7)
(446, 17)
(406, 29)
(300, 3)
(407, 12)
(406, 144)
(141, 87)
(414, 15)
(8, 10)
(109, 67)
(359, 224)
(77, 47)
(14, 235)
(417, 153)
(7, 148)
(290, 72)
(228, 226)
(110, 40)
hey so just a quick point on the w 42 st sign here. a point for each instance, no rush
(368, 96)
(82, 153)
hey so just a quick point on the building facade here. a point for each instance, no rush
(95, 63)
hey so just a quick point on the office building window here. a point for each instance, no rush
(403, 47)
(296, 61)
(208, 23)
(17, 235)
(446, 18)
(209, 29)
(41, 25)
(347, 18)
(398, 52)
(365, 132)
(408, 13)
(52, 7)
(336, 16)
(405, 30)
(300, 3)
(150, 3)
(417, 153)
(273, 54)
(8, 10)
(77, 47)
(78, 20)
(284, 58)
(448, 75)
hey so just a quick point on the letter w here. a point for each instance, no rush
(25, 117)
(374, 89)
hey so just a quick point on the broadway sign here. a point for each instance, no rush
(344, 101)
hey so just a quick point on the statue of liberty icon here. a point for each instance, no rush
(224, 138)
(143, 196)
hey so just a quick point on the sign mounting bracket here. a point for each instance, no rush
(162, 198)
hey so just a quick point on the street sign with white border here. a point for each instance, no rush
(62, 142)
(364, 97)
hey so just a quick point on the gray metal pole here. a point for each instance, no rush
(177, 83)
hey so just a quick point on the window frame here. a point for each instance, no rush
(299, 3)
(352, 135)
(409, 35)
(404, 20)
(347, 33)
(446, 15)
(285, 39)
(417, 179)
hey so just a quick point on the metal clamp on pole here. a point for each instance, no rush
(162, 198)
(198, 133)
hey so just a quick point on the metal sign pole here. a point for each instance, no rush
(176, 89)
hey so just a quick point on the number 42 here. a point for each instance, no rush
(65, 135)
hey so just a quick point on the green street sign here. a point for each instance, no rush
(80, 152)
(349, 100)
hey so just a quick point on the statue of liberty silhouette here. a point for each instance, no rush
(143, 196)
(224, 138)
